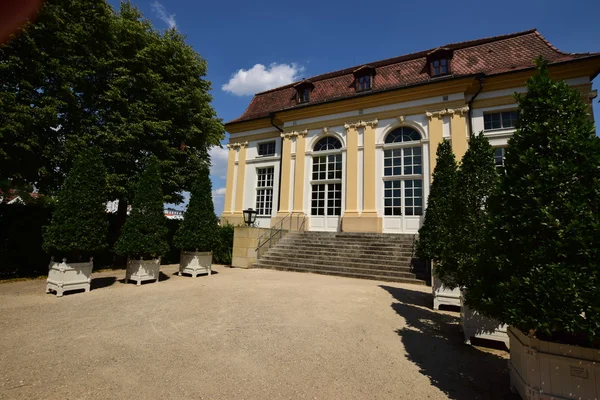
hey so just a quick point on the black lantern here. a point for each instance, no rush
(249, 216)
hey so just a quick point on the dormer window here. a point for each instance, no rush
(363, 77)
(438, 62)
(303, 90)
(439, 67)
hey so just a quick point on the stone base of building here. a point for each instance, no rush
(245, 242)
(362, 223)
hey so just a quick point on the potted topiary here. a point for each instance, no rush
(477, 181)
(144, 236)
(79, 226)
(199, 230)
(540, 273)
(438, 216)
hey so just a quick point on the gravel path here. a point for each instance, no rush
(238, 334)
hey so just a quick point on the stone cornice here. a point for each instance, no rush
(237, 145)
(290, 135)
(361, 124)
(447, 111)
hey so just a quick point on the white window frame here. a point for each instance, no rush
(264, 192)
(500, 112)
(266, 143)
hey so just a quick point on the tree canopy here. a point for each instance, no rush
(83, 74)
(541, 268)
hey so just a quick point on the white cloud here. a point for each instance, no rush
(218, 161)
(260, 78)
(162, 14)
(220, 192)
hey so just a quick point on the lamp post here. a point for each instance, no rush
(249, 216)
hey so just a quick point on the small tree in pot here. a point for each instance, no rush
(144, 236)
(541, 270)
(199, 230)
(433, 235)
(79, 225)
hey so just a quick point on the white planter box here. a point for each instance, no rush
(63, 276)
(195, 263)
(547, 370)
(142, 270)
(479, 326)
(442, 295)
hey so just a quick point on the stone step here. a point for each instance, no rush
(370, 276)
(353, 239)
(342, 235)
(345, 263)
(359, 268)
(366, 258)
(347, 251)
(372, 246)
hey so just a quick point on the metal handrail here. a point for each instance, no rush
(278, 228)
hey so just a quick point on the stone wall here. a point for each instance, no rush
(245, 241)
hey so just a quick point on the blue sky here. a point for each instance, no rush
(275, 42)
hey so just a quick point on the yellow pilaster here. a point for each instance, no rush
(458, 131)
(227, 208)
(241, 179)
(299, 172)
(369, 170)
(351, 170)
(436, 135)
(286, 176)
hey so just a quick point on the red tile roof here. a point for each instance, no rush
(490, 56)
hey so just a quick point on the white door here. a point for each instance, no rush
(403, 205)
(326, 207)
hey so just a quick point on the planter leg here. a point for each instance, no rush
(59, 292)
(126, 280)
(436, 304)
(209, 272)
(139, 282)
(87, 289)
(467, 341)
(157, 280)
(179, 273)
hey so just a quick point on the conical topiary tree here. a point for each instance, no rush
(145, 231)
(477, 180)
(79, 224)
(541, 269)
(433, 235)
(199, 229)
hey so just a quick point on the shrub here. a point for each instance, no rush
(223, 246)
(199, 229)
(477, 181)
(541, 269)
(436, 226)
(79, 225)
(145, 231)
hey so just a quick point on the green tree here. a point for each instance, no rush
(541, 269)
(83, 74)
(477, 182)
(433, 235)
(145, 232)
(79, 226)
(199, 230)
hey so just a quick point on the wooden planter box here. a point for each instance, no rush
(444, 296)
(547, 370)
(195, 263)
(142, 270)
(479, 326)
(63, 276)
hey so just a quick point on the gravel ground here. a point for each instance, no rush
(243, 334)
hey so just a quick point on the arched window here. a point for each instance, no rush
(328, 143)
(402, 134)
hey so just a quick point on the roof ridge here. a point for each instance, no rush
(547, 42)
(409, 56)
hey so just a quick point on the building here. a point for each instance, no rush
(354, 149)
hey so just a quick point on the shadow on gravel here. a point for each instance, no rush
(213, 272)
(105, 281)
(434, 342)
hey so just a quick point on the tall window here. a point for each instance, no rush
(499, 154)
(364, 82)
(403, 173)
(266, 149)
(500, 120)
(326, 197)
(264, 191)
(439, 67)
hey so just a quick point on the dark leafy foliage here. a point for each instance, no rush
(223, 246)
(145, 232)
(79, 226)
(199, 229)
(477, 182)
(436, 227)
(541, 268)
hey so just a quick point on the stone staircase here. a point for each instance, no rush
(385, 257)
